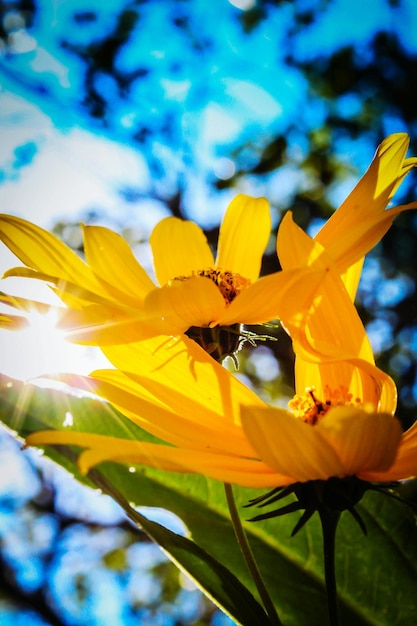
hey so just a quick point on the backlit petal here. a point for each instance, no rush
(13, 322)
(71, 293)
(179, 248)
(289, 445)
(112, 260)
(25, 304)
(364, 207)
(333, 324)
(372, 192)
(363, 235)
(296, 249)
(235, 470)
(42, 251)
(244, 234)
(105, 324)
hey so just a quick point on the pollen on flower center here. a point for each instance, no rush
(311, 409)
(230, 284)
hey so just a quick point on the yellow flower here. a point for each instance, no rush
(110, 298)
(363, 218)
(12, 322)
(342, 426)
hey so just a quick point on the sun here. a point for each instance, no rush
(40, 348)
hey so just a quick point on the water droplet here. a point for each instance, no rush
(69, 419)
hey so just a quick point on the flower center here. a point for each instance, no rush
(230, 284)
(311, 409)
(221, 341)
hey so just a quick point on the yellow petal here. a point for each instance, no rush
(184, 303)
(367, 202)
(24, 304)
(235, 470)
(186, 375)
(283, 294)
(179, 248)
(290, 446)
(372, 192)
(363, 380)
(142, 408)
(104, 324)
(170, 415)
(42, 251)
(363, 441)
(71, 293)
(112, 260)
(363, 236)
(295, 249)
(246, 472)
(13, 322)
(405, 464)
(244, 234)
(332, 323)
(351, 278)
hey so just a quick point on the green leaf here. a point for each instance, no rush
(376, 575)
(26, 408)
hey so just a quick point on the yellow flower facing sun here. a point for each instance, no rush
(110, 299)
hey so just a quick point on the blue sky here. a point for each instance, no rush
(238, 89)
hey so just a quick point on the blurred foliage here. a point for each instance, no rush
(61, 567)
(355, 95)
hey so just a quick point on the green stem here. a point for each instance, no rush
(249, 557)
(329, 520)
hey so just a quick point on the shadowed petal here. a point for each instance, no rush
(233, 469)
(289, 445)
(179, 248)
(202, 429)
(283, 294)
(196, 301)
(363, 441)
(365, 381)
(244, 234)
(405, 464)
(187, 380)
(169, 415)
